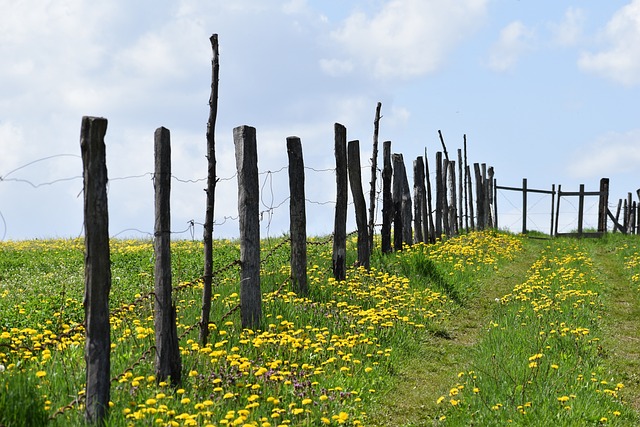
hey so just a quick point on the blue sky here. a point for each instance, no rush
(543, 90)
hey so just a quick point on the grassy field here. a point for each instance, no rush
(483, 329)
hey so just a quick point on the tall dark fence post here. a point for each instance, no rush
(398, 225)
(439, 191)
(603, 205)
(461, 193)
(298, 216)
(432, 234)
(168, 364)
(480, 214)
(244, 138)
(387, 198)
(420, 208)
(490, 198)
(452, 211)
(580, 209)
(211, 189)
(374, 172)
(340, 222)
(355, 182)
(97, 269)
(471, 217)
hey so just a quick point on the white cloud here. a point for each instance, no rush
(612, 153)
(515, 39)
(620, 61)
(336, 67)
(569, 31)
(408, 38)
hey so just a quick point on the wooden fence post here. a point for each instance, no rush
(168, 364)
(557, 209)
(387, 198)
(355, 182)
(580, 209)
(211, 189)
(553, 195)
(461, 193)
(97, 270)
(374, 172)
(298, 216)
(603, 205)
(480, 214)
(420, 207)
(452, 211)
(472, 223)
(340, 221)
(524, 205)
(432, 235)
(439, 191)
(490, 198)
(244, 138)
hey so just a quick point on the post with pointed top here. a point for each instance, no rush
(298, 217)
(97, 270)
(244, 138)
(211, 189)
(168, 363)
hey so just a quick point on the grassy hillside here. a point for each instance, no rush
(484, 329)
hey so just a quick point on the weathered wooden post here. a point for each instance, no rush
(420, 207)
(355, 182)
(211, 189)
(452, 211)
(446, 227)
(603, 205)
(439, 191)
(167, 360)
(470, 216)
(97, 269)
(553, 198)
(340, 222)
(460, 191)
(374, 172)
(244, 138)
(398, 225)
(580, 209)
(298, 217)
(387, 198)
(490, 198)
(432, 234)
(480, 220)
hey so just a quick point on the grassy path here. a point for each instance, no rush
(621, 341)
(429, 369)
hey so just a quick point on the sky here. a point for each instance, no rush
(546, 91)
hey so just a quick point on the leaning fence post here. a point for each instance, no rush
(168, 363)
(97, 270)
(340, 221)
(298, 217)
(244, 138)
(355, 182)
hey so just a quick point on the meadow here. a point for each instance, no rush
(544, 349)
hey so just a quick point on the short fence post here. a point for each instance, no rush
(97, 270)
(524, 205)
(168, 363)
(387, 198)
(244, 138)
(580, 209)
(603, 205)
(355, 182)
(340, 221)
(298, 216)
(480, 214)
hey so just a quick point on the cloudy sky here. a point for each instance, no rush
(543, 90)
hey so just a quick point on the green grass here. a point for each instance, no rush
(380, 348)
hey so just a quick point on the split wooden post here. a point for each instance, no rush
(340, 221)
(244, 138)
(297, 213)
(211, 189)
(97, 270)
(167, 361)
(355, 182)
(387, 198)
(420, 227)
(432, 234)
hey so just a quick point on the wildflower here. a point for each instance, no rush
(41, 374)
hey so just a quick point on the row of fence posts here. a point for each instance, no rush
(409, 226)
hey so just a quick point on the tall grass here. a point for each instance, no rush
(319, 360)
